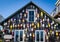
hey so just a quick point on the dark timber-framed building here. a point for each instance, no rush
(30, 24)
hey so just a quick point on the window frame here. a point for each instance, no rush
(28, 15)
(18, 34)
(40, 35)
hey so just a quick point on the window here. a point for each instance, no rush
(31, 15)
(39, 36)
(18, 36)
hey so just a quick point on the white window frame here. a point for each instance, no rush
(19, 35)
(28, 15)
(40, 35)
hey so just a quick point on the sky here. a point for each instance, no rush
(8, 7)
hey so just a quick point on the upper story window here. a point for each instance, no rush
(31, 15)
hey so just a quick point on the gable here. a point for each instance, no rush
(20, 17)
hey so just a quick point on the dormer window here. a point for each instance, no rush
(31, 15)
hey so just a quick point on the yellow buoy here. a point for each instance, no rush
(48, 24)
(38, 25)
(56, 33)
(41, 13)
(11, 27)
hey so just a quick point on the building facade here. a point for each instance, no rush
(30, 24)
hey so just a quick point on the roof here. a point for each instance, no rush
(24, 7)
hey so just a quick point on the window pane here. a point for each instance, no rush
(31, 12)
(32, 19)
(41, 35)
(37, 36)
(21, 35)
(17, 35)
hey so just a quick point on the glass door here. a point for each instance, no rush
(39, 36)
(18, 36)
